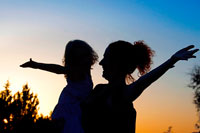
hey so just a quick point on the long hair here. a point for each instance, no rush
(78, 58)
(131, 56)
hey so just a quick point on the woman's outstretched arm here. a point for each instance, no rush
(58, 69)
(135, 89)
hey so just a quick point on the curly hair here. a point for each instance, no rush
(144, 56)
(80, 54)
(131, 56)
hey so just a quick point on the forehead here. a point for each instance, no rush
(106, 51)
(108, 54)
(113, 50)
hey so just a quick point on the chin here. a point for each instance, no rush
(104, 76)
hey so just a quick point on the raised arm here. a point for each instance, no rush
(54, 68)
(135, 89)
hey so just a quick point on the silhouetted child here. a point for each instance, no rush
(78, 59)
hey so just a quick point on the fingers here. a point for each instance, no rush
(22, 65)
(191, 52)
(194, 51)
(187, 58)
(27, 64)
(193, 56)
(188, 47)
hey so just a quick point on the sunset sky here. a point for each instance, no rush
(40, 29)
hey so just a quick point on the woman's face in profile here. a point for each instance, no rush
(105, 65)
(110, 69)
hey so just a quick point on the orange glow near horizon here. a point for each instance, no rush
(152, 115)
(41, 29)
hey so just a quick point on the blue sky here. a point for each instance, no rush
(39, 29)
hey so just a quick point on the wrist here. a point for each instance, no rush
(36, 65)
(172, 61)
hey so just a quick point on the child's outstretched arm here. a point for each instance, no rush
(136, 88)
(58, 69)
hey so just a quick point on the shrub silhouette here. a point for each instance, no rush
(195, 84)
(19, 112)
(169, 130)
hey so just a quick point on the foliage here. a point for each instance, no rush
(19, 112)
(195, 84)
(169, 130)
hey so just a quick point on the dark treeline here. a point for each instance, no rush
(19, 112)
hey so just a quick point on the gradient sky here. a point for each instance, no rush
(40, 29)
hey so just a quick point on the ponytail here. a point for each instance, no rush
(129, 56)
(144, 56)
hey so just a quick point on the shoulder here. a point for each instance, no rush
(96, 93)
(100, 87)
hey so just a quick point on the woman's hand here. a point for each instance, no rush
(31, 64)
(185, 53)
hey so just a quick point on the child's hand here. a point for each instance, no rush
(185, 53)
(31, 64)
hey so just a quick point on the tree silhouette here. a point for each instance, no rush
(195, 84)
(19, 112)
(169, 130)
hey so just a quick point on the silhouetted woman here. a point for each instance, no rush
(109, 108)
(78, 59)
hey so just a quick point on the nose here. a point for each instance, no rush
(101, 62)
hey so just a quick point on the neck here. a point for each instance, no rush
(117, 81)
(78, 76)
